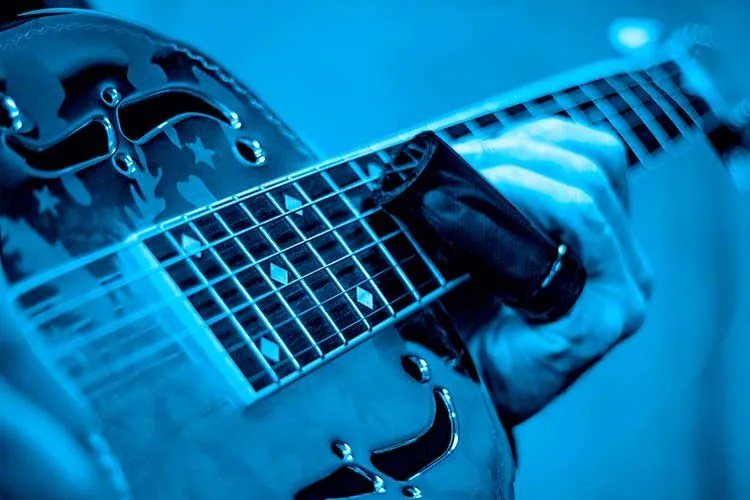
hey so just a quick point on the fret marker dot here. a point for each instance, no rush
(190, 245)
(279, 274)
(270, 349)
(364, 297)
(291, 203)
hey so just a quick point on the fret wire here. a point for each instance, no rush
(668, 109)
(436, 293)
(348, 249)
(386, 253)
(271, 283)
(132, 317)
(632, 100)
(570, 107)
(346, 291)
(614, 119)
(231, 315)
(261, 315)
(404, 295)
(103, 290)
(159, 346)
(662, 81)
(333, 277)
(315, 254)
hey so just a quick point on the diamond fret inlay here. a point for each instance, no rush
(364, 297)
(270, 349)
(292, 204)
(279, 274)
(190, 245)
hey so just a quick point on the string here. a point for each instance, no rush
(277, 217)
(133, 357)
(128, 320)
(110, 287)
(184, 256)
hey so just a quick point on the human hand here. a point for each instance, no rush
(570, 180)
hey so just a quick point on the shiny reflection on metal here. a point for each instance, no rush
(125, 165)
(412, 492)
(398, 462)
(556, 266)
(250, 151)
(416, 367)
(10, 120)
(378, 484)
(342, 450)
(110, 96)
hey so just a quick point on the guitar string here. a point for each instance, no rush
(311, 203)
(233, 273)
(95, 335)
(187, 332)
(111, 286)
(279, 381)
(279, 216)
(371, 313)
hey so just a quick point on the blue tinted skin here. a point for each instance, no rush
(568, 178)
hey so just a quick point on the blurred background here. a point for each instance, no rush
(664, 416)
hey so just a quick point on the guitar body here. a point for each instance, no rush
(94, 159)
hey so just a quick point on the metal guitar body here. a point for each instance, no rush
(108, 130)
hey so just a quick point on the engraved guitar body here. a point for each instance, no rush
(289, 341)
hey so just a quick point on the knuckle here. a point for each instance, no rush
(593, 178)
(635, 312)
(591, 217)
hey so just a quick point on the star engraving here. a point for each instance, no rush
(202, 154)
(47, 201)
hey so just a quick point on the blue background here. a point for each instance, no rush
(665, 415)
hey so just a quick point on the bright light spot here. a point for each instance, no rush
(633, 37)
(628, 35)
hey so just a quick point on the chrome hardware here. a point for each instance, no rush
(378, 484)
(416, 367)
(125, 164)
(250, 151)
(406, 460)
(342, 450)
(110, 96)
(10, 115)
(412, 492)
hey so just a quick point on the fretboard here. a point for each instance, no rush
(293, 273)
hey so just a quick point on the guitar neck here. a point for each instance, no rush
(289, 274)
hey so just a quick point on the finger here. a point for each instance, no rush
(601, 146)
(577, 170)
(47, 461)
(569, 211)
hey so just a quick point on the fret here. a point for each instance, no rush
(258, 330)
(208, 303)
(665, 114)
(568, 107)
(330, 251)
(651, 135)
(659, 78)
(355, 235)
(376, 225)
(635, 149)
(253, 352)
(319, 323)
(278, 274)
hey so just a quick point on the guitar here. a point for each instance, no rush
(180, 290)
